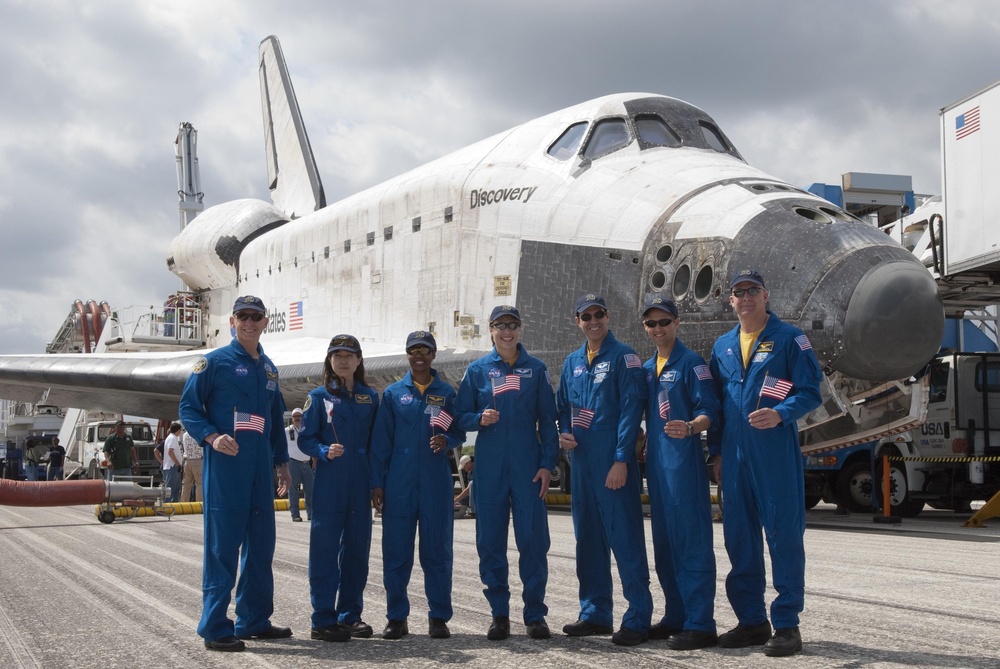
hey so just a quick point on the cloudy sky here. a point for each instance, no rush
(93, 92)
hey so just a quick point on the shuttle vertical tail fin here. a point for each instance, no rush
(294, 181)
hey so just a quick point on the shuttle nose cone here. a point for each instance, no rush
(894, 323)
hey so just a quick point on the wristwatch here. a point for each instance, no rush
(690, 428)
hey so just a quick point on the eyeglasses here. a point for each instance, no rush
(296, 417)
(255, 316)
(506, 326)
(663, 322)
(418, 350)
(596, 314)
(752, 292)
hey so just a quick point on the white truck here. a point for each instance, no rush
(947, 460)
(85, 456)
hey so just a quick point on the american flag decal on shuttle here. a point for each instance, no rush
(295, 314)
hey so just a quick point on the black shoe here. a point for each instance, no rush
(227, 644)
(331, 633)
(692, 640)
(586, 628)
(500, 629)
(395, 629)
(296, 519)
(359, 629)
(627, 637)
(272, 632)
(437, 628)
(538, 630)
(659, 631)
(786, 641)
(742, 635)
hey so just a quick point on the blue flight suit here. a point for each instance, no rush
(614, 388)
(679, 495)
(509, 454)
(417, 487)
(762, 479)
(341, 534)
(238, 489)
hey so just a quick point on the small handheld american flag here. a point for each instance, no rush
(247, 422)
(582, 418)
(440, 419)
(505, 383)
(775, 387)
(663, 398)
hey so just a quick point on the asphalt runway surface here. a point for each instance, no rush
(77, 593)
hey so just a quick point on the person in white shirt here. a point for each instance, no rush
(300, 467)
(192, 468)
(172, 462)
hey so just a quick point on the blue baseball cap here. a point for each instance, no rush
(249, 303)
(504, 310)
(662, 303)
(747, 276)
(421, 338)
(589, 300)
(344, 342)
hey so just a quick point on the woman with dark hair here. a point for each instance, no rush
(336, 429)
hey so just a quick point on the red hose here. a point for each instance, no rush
(52, 493)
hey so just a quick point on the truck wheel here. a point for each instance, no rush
(92, 470)
(564, 484)
(854, 488)
(902, 504)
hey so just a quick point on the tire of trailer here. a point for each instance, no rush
(854, 488)
(812, 501)
(907, 507)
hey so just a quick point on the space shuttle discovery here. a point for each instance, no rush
(626, 196)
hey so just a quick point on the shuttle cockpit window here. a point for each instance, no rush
(653, 131)
(713, 137)
(609, 135)
(565, 147)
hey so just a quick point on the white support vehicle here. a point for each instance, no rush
(962, 427)
(85, 455)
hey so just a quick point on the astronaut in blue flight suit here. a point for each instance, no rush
(601, 397)
(232, 404)
(682, 403)
(411, 484)
(768, 377)
(507, 396)
(337, 422)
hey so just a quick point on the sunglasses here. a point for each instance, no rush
(740, 292)
(255, 316)
(663, 322)
(418, 350)
(597, 314)
(506, 326)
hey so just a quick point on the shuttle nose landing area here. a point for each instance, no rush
(894, 323)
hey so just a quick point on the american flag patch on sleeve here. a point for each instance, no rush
(803, 342)
(632, 361)
(703, 373)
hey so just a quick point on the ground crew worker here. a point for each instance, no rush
(412, 485)
(507, 396)
(601, 397)
(768, 378)
(232, 405)
(119, 451)
(337, 422)
(682, 403)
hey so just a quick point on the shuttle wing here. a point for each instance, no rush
(150, 384)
